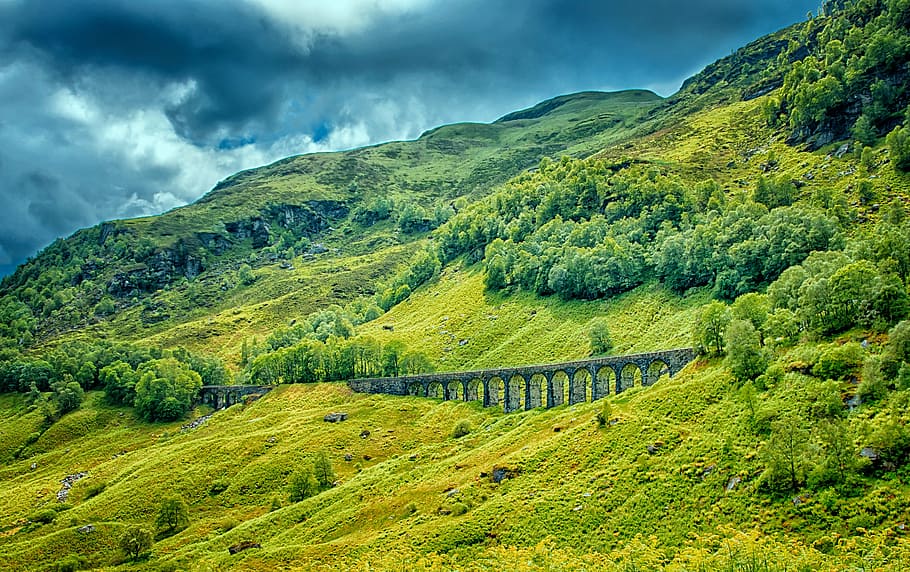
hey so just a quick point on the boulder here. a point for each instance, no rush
(335, 417)
(241, 546)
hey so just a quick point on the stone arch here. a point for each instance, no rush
(603, 382)
(415, 388)
(629, 377)
(515, 393)
(656, 370)
(537, 396)
(475, 390)
(454, 390)
(496, 391)
(435, 390)
(580, 386)
(559, 388)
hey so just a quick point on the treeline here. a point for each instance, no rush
(161, 384)
(326, 347)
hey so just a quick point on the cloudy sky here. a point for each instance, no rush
(120, 108)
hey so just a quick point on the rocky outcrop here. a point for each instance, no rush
(159, 270)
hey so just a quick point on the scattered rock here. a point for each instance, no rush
(577, 508)
(33, 466)
(335, 417)
(87, 529)
(68, 482)
(732, 484)
(463, 342)
(652, 449)
(413, 457)
(364, 434)
(870, 453)
(388, 327)
(799, 500)
(502, 473)
(348, 457)
(367, 457)
(272, 439)
(842, 150)
(708, 470)
(452, 492)
(195, 423)
(241, 546)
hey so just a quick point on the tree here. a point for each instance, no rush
(166, 389)
(303, 485)
(135, 542)
(413, 363)
(864, 131)
(119, 382)
(245, 275)
(392, 353)
(837, 446)
(323, 471)
(898, 142)
(599, 335)
(173, 515)
(785, 452)
(68, 394)
(745, 356)
(710, 325)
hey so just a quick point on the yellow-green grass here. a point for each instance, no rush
(460, 325)
(575, 487)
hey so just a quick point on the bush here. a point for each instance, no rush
(462, 428)
(459, 509)
(899, 143)
(839, 362)
(218, 486)
(43, 516)
(605, 414)
(599, 335)
(94, 490)
(71, 563)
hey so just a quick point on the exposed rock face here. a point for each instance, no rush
(156, 272)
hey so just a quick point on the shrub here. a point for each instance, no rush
(43, 516)
(899, 143)
(599, 335)
(94, 490)
(71, 563)
(604, 415)
(459, 509)
(218, 486)
(410, 508)
(839, 362)
(462, 428)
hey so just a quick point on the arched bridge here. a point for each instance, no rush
(534, 386)
(221, 396)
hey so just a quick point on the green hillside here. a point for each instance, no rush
(758, 215)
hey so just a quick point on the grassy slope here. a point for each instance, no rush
(578, 488)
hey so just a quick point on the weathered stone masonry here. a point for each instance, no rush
(221, 396)
(539, 385)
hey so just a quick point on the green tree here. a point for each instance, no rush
(864, 131)
(303, 485)
(786, 453)
(173, 515)
(898, 142)
(135, 542)
(245, 275)
(390, 358)
(745, 357)
(323, 471)
(413, 363)
(710, 326)
(119, 382)
(599, 336)
(838, 449)
(68, 395)
(166, 389)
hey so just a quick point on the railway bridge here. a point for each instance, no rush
(528, 387)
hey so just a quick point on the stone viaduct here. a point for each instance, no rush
(222, 396)
(534, 386)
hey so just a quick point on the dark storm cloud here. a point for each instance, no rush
(116, 108)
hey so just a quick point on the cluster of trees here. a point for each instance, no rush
(172, 517)
(161, 384)
(336, 359)
(312, 478)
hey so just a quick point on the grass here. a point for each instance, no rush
(413, 493)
